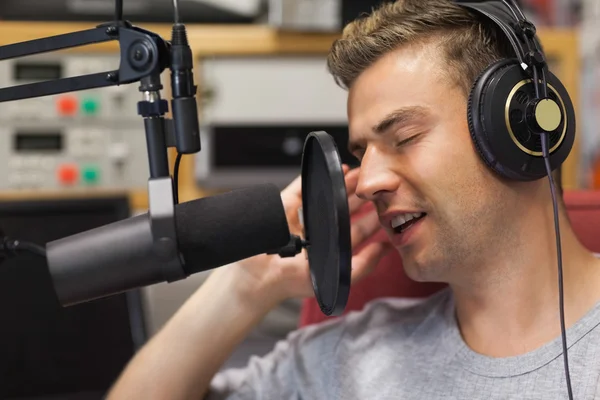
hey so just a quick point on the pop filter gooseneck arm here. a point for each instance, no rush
(144, 55)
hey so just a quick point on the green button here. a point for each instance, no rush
(90, 106)
(90, 174)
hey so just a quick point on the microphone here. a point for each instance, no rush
(211, 232)
(216, 231)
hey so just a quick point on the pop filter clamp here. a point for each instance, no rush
(144, 55)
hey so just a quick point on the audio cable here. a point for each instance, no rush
(176, 178)
(176, 11)
(541, 92)
(185, 113)
(11, 248)
(545, 152)
(179, 38)
(118, 10)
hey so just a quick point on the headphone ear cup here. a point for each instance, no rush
(477, 127)
(497, 113)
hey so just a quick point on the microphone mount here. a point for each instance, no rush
(144, 55)
(294, 247)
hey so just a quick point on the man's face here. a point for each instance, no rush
(408, 127)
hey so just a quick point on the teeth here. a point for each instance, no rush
(397, 221)
(403, 218)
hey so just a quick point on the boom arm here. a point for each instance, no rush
(143, 53)
(144, 56)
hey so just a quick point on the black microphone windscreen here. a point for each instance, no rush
(218, 230)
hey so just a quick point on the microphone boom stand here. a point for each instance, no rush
(144, 56)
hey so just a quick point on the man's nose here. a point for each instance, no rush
(376, 177)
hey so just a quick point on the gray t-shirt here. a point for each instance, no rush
(412, 349)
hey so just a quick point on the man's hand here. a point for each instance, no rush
(281, 278)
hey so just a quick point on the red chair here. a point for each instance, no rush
(389, 279)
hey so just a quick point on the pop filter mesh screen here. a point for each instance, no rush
(324, 198)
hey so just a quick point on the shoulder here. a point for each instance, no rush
(386, 311)
(314, 351)
(404, 316)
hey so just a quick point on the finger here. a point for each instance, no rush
(364, 228)
(355, 203)
(294, 189)
(365, 262)
(345, 168)
(351, 180)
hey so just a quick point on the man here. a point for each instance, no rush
(493, 334)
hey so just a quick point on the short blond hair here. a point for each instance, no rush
(469, 42)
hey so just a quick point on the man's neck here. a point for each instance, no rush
(511, 308)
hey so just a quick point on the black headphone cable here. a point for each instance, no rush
(545, 151)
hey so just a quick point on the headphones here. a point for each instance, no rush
(521, 118)
(513, 102)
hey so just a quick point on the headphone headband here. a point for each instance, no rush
(521, 34)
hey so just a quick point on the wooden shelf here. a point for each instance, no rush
(207, 39)
(204, 39)
(138, 199)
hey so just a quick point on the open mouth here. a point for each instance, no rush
(403, 222)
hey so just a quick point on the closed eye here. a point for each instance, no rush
(407, 140)
(358, 151)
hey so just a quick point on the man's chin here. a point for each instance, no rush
(415, 274)
(421, 270)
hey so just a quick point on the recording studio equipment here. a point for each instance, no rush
(211, 232)
(78, 140)
(317, 15)
(196, 11)
(108, 260)
(111, 104)
(521, 118)
(265, 106)
(306, 15)
(352, 9)
(50, 351)
(144, 57)
(262, 153)
(54, 156)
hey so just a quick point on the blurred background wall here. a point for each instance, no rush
(78, 160)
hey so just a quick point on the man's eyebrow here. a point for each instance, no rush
(401, 116)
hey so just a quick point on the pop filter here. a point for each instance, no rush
(326, 218)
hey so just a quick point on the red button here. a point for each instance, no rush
(67, 174)
(67, 105)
